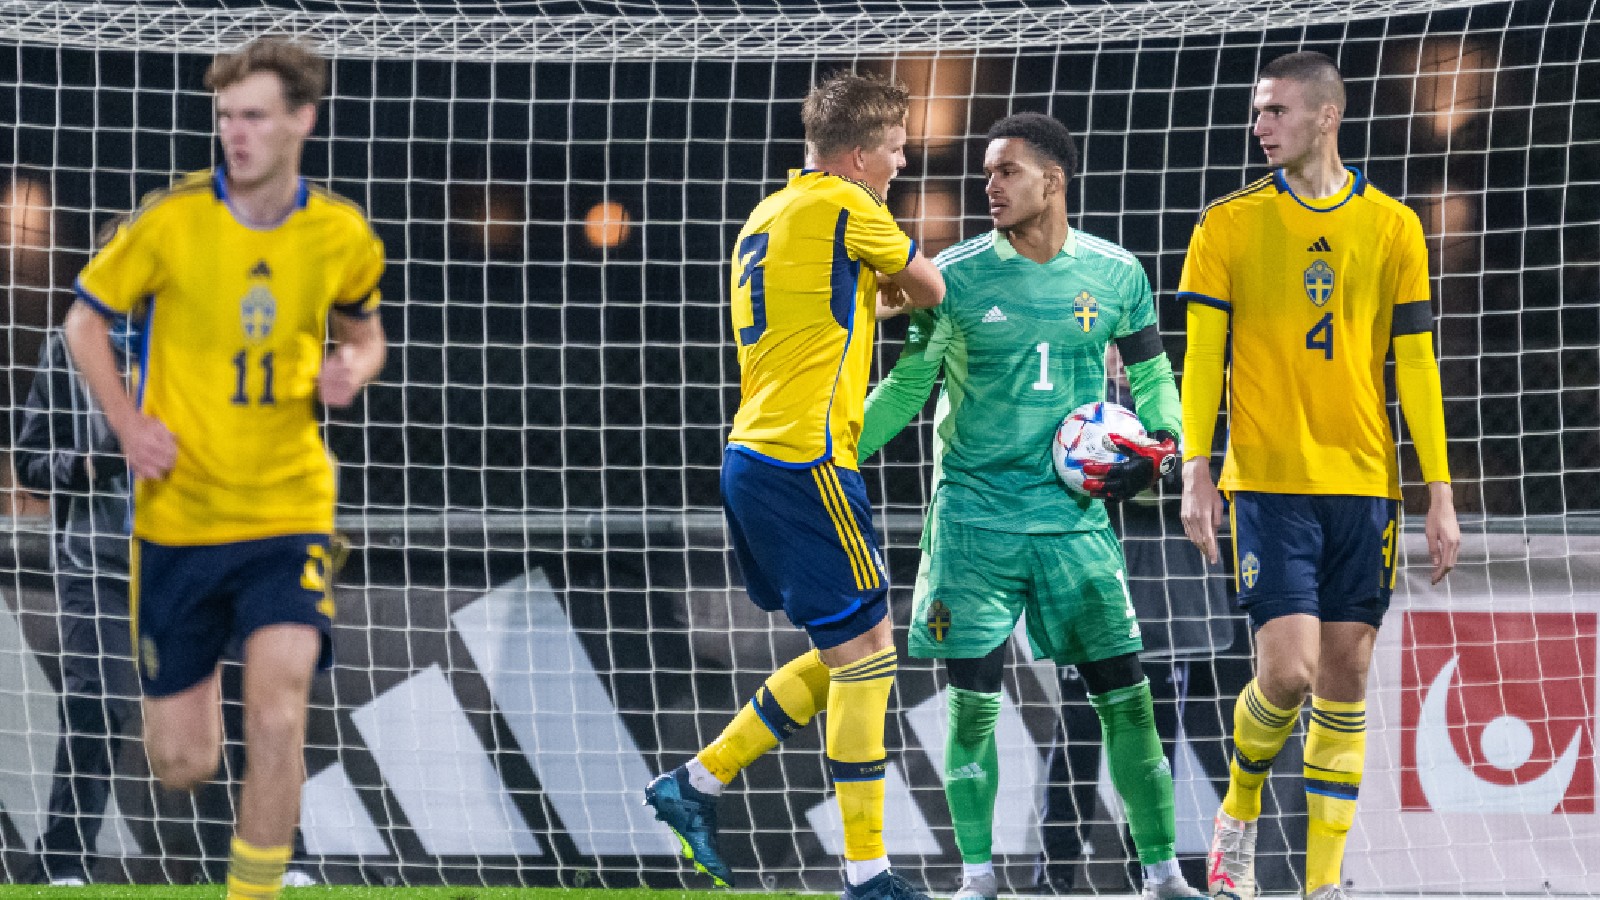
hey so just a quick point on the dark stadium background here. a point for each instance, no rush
(580, 396)
(533, 372)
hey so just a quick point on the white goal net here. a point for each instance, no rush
(540, 610)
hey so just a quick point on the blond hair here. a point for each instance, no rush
(848, 110)
(302, 71)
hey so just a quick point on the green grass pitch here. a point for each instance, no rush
(216, 891)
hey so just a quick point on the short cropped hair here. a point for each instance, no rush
(848, 110)
(1315, 70)
(1045, 134)
(303, 72)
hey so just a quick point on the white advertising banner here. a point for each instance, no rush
(1482, 710)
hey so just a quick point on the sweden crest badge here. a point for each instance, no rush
(1319, 282)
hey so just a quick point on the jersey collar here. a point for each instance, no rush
(219, 188)
(1355, 184)
(1004, 250)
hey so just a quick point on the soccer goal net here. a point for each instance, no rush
(540, 610)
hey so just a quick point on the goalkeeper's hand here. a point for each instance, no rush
(1146, 461)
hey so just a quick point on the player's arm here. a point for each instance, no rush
(919, 286)
(1205, 288)
(360, 348)
(125, 272)
(904, 391)
(872, 236)
(1203, 377)
(1416, 377)
(1155, 399)
(1150, 380)
(151, 450)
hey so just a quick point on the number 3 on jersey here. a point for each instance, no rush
(752, 255)
(1320, 337)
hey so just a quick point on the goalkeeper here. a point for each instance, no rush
(1021, 337)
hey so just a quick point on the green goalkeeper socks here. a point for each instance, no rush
(972, 771)
(1139, 770)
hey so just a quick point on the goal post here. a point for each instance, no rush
(540, 610)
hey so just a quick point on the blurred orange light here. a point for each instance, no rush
(25, 215)
(941, 89)
(932, 214)
(27, 225)
(606, 225)
(489, 215)
(1454, 82)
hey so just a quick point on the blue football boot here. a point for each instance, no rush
(692, 816)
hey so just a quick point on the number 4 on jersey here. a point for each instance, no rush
(1320, 337)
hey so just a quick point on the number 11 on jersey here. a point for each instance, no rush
(241, 372)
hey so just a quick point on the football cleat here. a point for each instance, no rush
(1231, 866)
(885, 885)
(1174, 888)
(692, 816)
(978, 887)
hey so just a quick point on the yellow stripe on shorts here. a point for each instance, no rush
(840, 523)
(133, 598)
(1233, 532)
(854, 529)
(844, 525)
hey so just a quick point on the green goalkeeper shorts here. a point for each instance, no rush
(973, 585)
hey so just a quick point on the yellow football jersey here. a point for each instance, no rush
(1311, 287)
(804, 294)
(235, 329)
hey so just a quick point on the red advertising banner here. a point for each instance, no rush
(1498, 712)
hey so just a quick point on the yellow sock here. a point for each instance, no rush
(1259, 731)
(1336, 750)
(789, 699)
(858, 701)
(255, 873)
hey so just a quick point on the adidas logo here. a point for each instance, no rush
(1321, 246)
(994, 315)
(967, 772)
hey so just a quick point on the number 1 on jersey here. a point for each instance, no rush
(1044, 383)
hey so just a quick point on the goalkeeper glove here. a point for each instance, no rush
(1146, 461)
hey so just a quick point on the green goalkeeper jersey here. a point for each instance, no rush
(1021, 345)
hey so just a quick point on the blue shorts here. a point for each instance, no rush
(805, 543)
(1332, 557)
(191, 604)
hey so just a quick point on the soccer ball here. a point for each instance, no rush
(1082, 438)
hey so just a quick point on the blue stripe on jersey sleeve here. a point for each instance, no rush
(1202, 299)
(94, 302)
(846, 275)
(913, 254)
